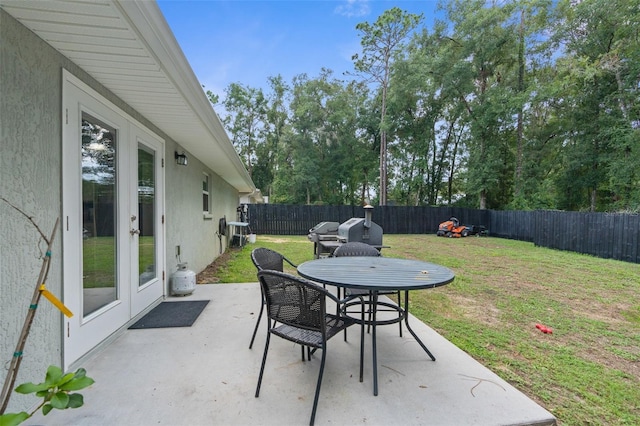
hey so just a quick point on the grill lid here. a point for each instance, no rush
(325, 228)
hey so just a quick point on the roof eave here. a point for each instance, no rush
(147, 19)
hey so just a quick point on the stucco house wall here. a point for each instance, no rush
(30, 173)
(30, 179)
(199, 244)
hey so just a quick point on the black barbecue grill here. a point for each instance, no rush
(360, 229)
(327, 236)
(324, 237)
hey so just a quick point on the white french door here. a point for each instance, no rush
(146, 227)
(113, 201)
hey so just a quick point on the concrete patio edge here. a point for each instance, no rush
(206, 375)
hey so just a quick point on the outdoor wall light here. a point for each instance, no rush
(181, 159)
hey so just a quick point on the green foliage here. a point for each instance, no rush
(528, 104)
(57, 391)
(383, 41)
(247, 108)
(323, 161)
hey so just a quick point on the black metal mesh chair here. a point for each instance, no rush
(264, 258)
(299, 307)
(356, 248)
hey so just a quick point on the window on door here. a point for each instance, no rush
(99, 204)
(147, 269)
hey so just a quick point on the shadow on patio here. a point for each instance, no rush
(206, 375)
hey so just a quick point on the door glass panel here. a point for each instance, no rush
(146, 216)
(99, 203)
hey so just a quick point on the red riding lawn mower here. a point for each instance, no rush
(452, 229)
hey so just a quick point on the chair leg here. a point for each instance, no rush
(361, 309)
(309, 352)
(317, 396)
(371, 307)
(400, 313)
(345, 312)
(264, 361)
(362, 343)
(255, 330)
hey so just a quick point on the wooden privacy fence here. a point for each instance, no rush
(606, 235)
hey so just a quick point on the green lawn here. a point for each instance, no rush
(98, 264)
(586, 372)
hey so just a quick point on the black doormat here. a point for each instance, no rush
(172, 314)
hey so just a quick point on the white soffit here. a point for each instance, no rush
(128, 47)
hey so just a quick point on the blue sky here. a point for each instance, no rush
(247, 41)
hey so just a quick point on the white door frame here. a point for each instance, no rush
(83, 333)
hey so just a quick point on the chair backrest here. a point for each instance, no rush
(355, 248)
(265, 258)
(293, 300)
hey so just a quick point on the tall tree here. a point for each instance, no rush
(313, 136)
(355, 155)
(380, 42)
(530, 19)
(276, 126)
(414, 108)
(601, 83)
(246, 108)
(483, 42)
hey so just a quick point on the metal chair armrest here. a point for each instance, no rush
(289, 262)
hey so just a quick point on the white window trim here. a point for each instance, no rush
(206, 214)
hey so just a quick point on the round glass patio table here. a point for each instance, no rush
(377, 274)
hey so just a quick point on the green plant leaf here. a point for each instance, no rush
(66, 378)
(60, 400)
(77, 384)
(46, 408)
(80, 372)
(76, 400)
(54, 374)
(13, 419)
(26, 388)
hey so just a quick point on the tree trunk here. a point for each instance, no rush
(518, 178)
(383, 168)
(483, 199)
(454, 151)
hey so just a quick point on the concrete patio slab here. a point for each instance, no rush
(206, 375)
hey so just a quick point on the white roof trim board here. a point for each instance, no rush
(129, 48)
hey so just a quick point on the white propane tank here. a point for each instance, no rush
(183, 281)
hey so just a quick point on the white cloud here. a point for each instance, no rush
(353, 8)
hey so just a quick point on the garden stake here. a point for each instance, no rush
(17, 355)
